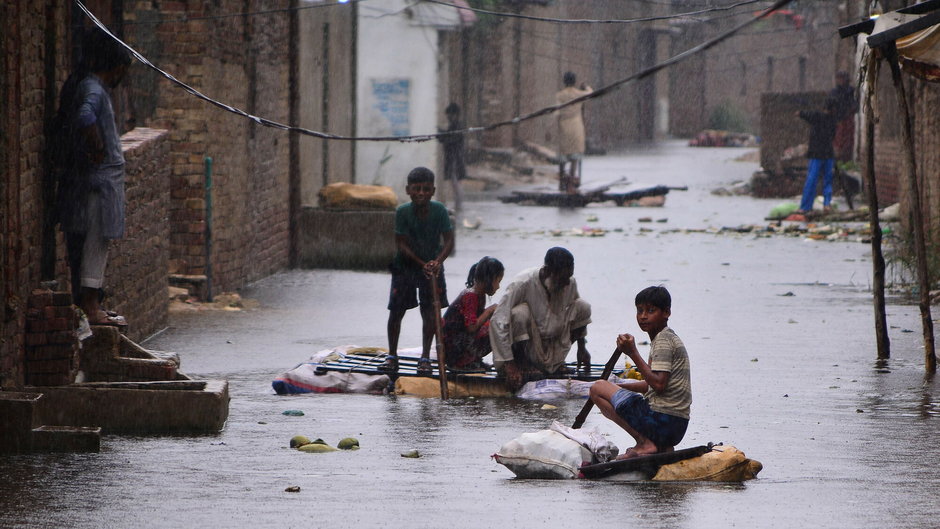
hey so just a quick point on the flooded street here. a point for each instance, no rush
(779, 332)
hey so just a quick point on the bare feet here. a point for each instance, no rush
(644, 449)
(104, 318)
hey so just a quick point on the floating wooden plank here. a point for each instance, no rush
(547, 196)
(646, 464)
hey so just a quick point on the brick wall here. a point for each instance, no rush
(24, 93)
(243, 62)
(136, 277)
(51, 343)
(781, 128)
(37, 53)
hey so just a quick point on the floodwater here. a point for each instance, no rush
(789, 379)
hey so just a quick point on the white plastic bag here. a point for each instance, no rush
(554, 389)
(592, 439)
(545, 454)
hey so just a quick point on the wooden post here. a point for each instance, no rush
(920, 247)
(868, 174)
(439, 337)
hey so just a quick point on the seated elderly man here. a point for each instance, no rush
(538, 319)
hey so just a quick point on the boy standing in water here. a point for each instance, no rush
(655, 410)
(420, 227)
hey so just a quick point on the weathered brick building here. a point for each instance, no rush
(505, 67)
(243, 60)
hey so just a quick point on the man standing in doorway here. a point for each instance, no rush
(571, 137)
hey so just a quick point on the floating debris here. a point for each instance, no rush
(413, 454)
(293, 488)
(299, 440)
(293, 413)
(348, 443)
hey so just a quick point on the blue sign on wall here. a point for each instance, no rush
(391, 99)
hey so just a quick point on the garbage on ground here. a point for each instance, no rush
(891, 213)
(472, 224)
(735, 189)
(723, 138)
(782, 211)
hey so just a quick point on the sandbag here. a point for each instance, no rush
(545, 454)
(343, 195)
(723, 463)
(457, 387)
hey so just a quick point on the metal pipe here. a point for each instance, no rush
(208, 233)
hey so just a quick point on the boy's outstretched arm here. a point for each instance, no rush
(655, 379)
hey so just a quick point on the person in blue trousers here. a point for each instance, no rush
(822, 130)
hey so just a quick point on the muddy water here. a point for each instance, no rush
(789, 379)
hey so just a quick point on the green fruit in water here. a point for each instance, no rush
(316, 448)
(349, 443)
(298, 441)
(318, 441)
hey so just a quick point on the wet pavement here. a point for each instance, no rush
(781, 340)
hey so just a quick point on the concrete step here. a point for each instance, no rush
(18, 418)
(66, 439)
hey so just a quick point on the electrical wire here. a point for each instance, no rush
(428, 137)
(594, 21)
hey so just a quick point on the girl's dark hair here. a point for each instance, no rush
(656, 296)
(485, 271)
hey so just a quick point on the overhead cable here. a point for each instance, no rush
(593, 21)
(428, 137)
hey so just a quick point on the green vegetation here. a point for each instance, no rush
(728, 116)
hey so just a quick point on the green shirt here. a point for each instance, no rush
(423, 236)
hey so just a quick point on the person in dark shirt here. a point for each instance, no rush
(455, 169)
(822, 129)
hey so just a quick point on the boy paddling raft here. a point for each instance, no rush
(655, 410)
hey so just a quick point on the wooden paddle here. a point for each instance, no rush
(608, 369)
(439, 337)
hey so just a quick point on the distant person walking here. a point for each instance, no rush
(571, 136)
(455, 169)
(90, 170)
(846, 105)
(822, 129)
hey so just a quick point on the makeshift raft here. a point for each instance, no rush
(565, 453)
(618, 191)
(353, 369)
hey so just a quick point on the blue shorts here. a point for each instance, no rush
(663, 429)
